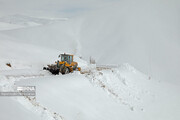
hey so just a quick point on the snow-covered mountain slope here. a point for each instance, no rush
(58, 35)
(131, 95)
(11, 109)
(118, 93)
(144, 34)
(28, 21)
(7, 26)
(22, 55)
(137, 33)
(27, 61)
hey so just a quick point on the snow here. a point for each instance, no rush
(29, 21)
(142, 33)
(134, 43)
(10, 109)
(106, 94)
(7, 26)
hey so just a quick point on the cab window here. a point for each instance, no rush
(70, 59)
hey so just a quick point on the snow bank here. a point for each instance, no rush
(14, 110)
(118, 93)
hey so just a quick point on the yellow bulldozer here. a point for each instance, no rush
(65, 66)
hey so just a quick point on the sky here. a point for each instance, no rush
(58, 8)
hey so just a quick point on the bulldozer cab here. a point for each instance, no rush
(67, 58)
